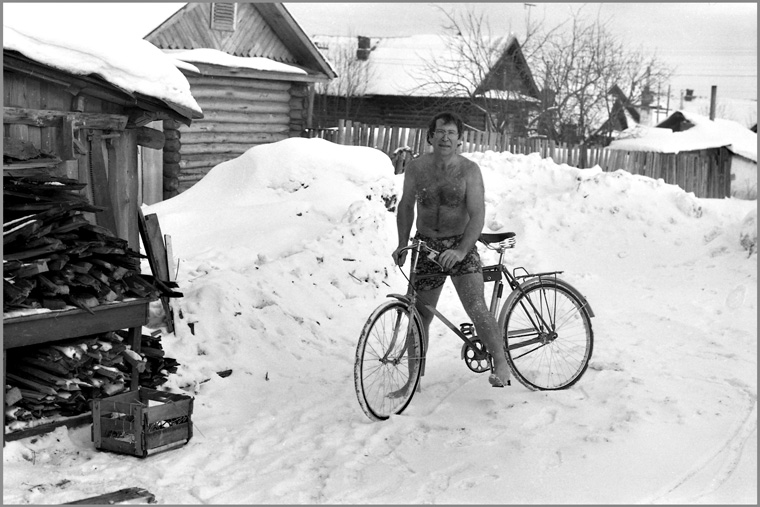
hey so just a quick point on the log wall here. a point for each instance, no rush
(239, 113)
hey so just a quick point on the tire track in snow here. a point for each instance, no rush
(730, 453)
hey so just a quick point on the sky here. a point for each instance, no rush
(707, 44)
(283, 252)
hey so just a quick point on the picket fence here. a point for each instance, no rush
(702, 172)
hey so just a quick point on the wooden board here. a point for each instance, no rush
(150, 230)
(127, 495)
(62, 324)
(69, 422)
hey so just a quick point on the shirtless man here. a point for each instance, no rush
(448, 191)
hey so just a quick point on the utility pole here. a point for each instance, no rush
(713, 96)
(528, 6)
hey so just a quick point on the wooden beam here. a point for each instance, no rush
(150, 138)
(70, 422)
(51, 118)
(140, 118)
(127, 495)
(67, 138)
(123, 186)
(99, 180)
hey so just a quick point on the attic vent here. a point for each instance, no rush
(223, 16)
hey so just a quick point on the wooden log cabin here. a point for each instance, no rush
(244, 105)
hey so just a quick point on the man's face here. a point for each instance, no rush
(445, 136)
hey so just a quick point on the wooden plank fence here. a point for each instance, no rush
(707, 173)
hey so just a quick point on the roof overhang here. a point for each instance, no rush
(210, 69)
(95, 86)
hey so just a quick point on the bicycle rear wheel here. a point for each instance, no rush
(388, 360)
(548, 336)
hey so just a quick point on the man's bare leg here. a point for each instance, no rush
(470, 290)
(430, 297)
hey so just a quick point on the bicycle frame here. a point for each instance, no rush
(491, 273)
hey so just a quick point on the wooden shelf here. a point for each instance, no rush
(62, 324)
(57, 325)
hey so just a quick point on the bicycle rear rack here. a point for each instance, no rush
(533, 275)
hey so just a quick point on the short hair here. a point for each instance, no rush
(447, 117)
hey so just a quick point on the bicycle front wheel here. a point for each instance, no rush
(388, 360)
(548, 336)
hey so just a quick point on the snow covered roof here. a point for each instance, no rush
(403, 65)
(704, 134)
(130, 64)
(216, 57)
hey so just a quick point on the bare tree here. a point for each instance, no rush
(354, 76)
(471, 55)
(578, 66)
(576, 63)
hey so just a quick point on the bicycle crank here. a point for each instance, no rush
(476, 359)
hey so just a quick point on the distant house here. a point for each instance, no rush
(623, 115)
(725, 150)
(251, 68)
(403, 81)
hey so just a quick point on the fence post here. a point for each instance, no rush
(341, 131)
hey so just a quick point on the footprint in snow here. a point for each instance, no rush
(735, 298)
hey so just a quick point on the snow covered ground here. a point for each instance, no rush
(283, 253)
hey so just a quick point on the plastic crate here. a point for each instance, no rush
(142, 422)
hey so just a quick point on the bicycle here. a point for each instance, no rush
(545, 320)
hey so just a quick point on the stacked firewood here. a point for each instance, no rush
(54, 258)
(60, 379)
(158, 367)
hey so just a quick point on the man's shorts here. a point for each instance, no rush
(470, 263)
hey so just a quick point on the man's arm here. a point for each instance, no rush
(405, 213)
(476, 209)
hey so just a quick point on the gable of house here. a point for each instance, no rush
(510, 73)
(263, 30)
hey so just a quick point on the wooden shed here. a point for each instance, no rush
(712, 158)
(74, 118)
(244, 104)
(81, 126)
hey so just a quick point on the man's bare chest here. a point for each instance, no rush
(435, 189)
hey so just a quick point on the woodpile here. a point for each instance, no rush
(60, 379)
(158, 367)
(54, 258)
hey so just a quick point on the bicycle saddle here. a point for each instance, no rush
(497, 237)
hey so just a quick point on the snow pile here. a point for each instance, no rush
(284, 252)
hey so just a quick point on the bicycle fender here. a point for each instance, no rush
(575, 292)
(401, 297)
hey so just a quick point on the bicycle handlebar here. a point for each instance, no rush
(505, 240)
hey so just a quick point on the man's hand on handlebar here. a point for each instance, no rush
(399, 256)
(448, 258)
